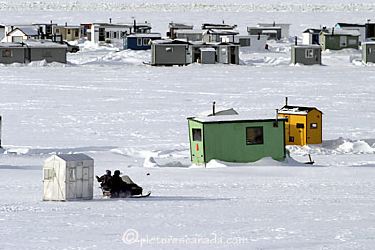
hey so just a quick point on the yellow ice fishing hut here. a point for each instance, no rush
(304, 124)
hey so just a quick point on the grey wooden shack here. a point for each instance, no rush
(273, 33)
(368, 52)
(29, 51)
(45, 50)
(173, 27)
(170, 52)
(12, 53)
(228, 53)
(284, 28)
(306, 54)
(208, 55)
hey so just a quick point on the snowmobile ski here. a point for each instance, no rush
(141, 196)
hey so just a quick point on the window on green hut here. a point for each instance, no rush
(254, 135)
(197, 134)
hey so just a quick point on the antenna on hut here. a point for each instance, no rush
(213, 108)
(110, 20)
(295, 41)
(286, 101)
(276, 123)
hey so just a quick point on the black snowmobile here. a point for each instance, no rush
(129, 189)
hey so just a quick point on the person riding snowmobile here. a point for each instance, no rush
(119, 187)
(105, 180)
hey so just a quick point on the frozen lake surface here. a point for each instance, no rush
(132, 117)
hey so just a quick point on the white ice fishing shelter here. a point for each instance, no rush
(68, 177)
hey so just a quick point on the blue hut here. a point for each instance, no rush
(140, 41)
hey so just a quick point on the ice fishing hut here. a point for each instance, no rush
(283, 26)
(368, 52)
(68, 177)
(272, 33)
(252, 42)
(304, 124)
(140, 41)
(29, 51)
(306, 54)
(170, 52)
(234, 138)
(208, 55)
(311, 36)
(336, 39)
(227, 53)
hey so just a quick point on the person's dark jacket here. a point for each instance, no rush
(105, 181)
(117, 184)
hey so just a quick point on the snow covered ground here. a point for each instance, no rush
(132, 117)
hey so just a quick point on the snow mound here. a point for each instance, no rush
(266, 161)
(264, 60)
(335, 147)
(35, 64)
(30, 151)
(125, 57)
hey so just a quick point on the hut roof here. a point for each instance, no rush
(287, 109)
(74, 157)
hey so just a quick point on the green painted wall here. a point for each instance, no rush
(227, 141)
(332, 42)
(196, 147)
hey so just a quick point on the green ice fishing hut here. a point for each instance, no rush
(233, 138)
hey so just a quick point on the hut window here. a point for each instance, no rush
(291, 138)
(254, 135)
(48, 173)
(309, 53)
(313, 125)
(169, 49)
(7, 53)
(197, 134)
(244, 41)
(58, 31)
(77, 33)
(352, 41)
(68, 31)
(300, 125)
(146, 41)
(114, 34)
(107, 35)
(139, 41)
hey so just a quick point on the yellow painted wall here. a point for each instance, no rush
(314, 135)
(291, 129)
(305, 135)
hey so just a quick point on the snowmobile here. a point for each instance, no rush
(130, 190)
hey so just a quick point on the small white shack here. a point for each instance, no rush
(208, 55)
(68, 177)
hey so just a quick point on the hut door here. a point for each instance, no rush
(197, 152)
(301, 134)
(85, 182)
(72, 183)
(79, 181)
